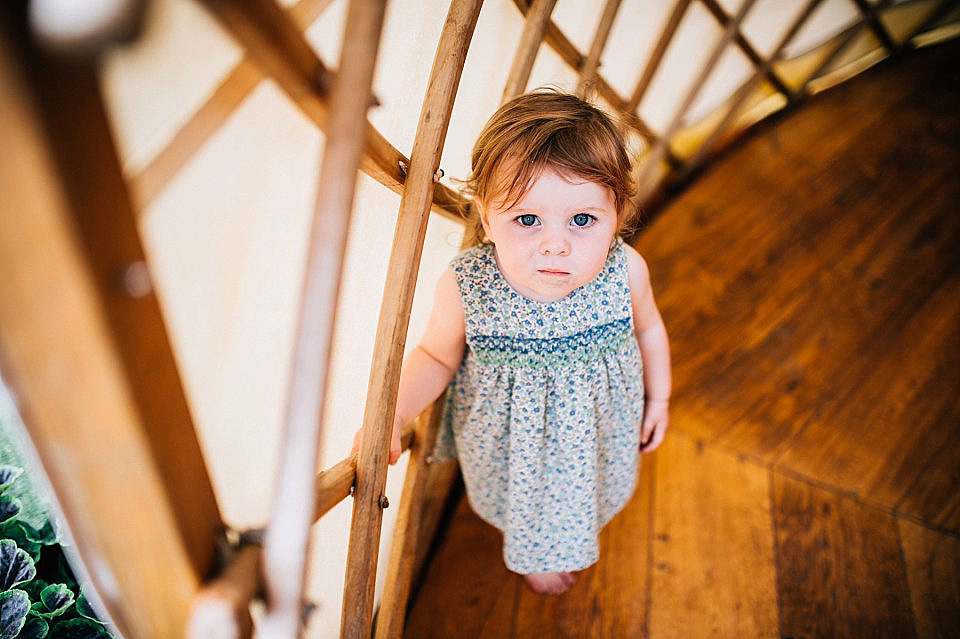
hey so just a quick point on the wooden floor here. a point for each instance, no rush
(809, 485)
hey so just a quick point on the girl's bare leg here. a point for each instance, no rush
(550, 583)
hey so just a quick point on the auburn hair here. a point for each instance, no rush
(547, 129)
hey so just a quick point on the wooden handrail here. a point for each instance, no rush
(534, 27)
(286, 542)
(590, 65)
(395, 314)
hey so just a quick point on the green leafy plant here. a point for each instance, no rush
(39, 594)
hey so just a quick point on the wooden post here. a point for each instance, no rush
(574, 59)
(285, 549)
(646, 173)
(841, 45)
(83, 345)
(533, 29)
(656, 57)
(744, 91)
(596, 48)
(876, 25)
(406, 533)
(369, 499)
(275, 43)
(941, 10)
(721, 16)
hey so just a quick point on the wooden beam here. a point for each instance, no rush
(938, 13)
(406, 531)
(575, 60)
(656, 57)
(746, 90)
(369, 499)
(872, 19)
(534, 28)
(286, 543)
(842, 42)
(759, 63)
(202, 125)
(275, 43)
(592, 62)
(306, 11)
(84, 346)
(645, 173)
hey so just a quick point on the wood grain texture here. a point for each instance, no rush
(468, 592)
(87, 355)
(406, 531)
(357, 613)
(713, 569)
(286, 542)
(933, 571)
(840, 573)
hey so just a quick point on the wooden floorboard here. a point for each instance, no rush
(840, 569)
(808, 488)
(934, 575)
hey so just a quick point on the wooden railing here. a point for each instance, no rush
(83, 343)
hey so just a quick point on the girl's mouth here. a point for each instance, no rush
(552, 271)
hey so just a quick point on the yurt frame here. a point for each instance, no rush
(84, 347)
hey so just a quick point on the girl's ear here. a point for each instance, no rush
(482, 214)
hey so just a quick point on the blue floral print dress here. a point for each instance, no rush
(544, 412)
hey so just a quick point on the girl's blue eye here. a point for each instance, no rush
(582, 219)
(527, 219)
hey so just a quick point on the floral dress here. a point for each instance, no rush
(544, 412)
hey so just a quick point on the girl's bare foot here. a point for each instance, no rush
(550, 583)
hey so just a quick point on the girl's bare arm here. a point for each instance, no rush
(428, 368)
(655, 350)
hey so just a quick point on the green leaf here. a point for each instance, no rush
(16, 566)
(34, 588)
(14, 605)
(8, 474)
(10, 507)
(15, 531)
(46, 535)
(55, 599)
(79, 628)
(35, 628)
(84, 609)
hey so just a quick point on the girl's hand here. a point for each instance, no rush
(395, 448)
(655, 419)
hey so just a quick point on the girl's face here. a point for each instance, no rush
(556, 238)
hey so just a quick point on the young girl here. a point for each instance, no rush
(548, 337)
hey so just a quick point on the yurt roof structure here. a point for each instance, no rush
(198, 239)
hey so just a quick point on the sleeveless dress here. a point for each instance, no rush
(544, 412)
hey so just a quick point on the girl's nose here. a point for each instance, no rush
(554, 244)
